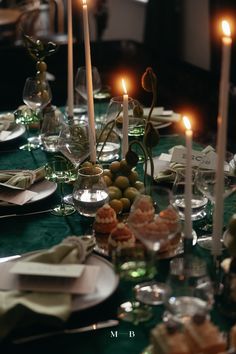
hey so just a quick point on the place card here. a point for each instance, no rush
(46, 269)
(85, 284)
(179, 156)
(16, 197)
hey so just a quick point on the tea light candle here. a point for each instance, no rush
(221, 140)
(70, 80)
(92, 135)
(188, 180)
(125, 141)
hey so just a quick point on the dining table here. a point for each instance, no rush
(25, 231)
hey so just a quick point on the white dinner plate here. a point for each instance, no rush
(165, 117)
(43, 189)
(107, 283)
(16, 131)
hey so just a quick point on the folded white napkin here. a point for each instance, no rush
(21, 308)
(14, 184)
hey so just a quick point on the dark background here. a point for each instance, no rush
(181, 86)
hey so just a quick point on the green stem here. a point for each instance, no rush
(154, 99)
(149, 151)
(145, 158)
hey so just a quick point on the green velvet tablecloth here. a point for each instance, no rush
(19, 235)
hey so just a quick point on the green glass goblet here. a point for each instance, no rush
(27, 116)
(133, 265)
(61, 171)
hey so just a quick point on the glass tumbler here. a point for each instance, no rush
(90, 191)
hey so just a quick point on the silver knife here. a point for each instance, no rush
(92, 327)
(25, 214)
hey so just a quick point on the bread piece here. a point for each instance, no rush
(203, 337)
(232, 338)
(168, 339)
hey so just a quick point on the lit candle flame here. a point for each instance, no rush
(124, 86)
(187, 123)
(84, 2)
(226, 28)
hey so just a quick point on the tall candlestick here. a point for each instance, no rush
(125, 141)
(70, 79)
(92, 135)
(188, 180)
(221, 140)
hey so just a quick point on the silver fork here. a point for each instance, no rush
(25, 214)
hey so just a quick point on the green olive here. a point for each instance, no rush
(41, 66)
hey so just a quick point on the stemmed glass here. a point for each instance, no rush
(81, 81)
(156, 234)
(133, 265)
(206, 182)
(198, 202)
(61, 171)
(190, 291)
(73, 144)
(36, 95)
(73, 141)
(102, 98)
(114, 121)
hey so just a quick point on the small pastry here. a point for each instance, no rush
(202, 336)
(171, 218)
(145, 205)
(105, 220)
(121, 237)
(167, 338)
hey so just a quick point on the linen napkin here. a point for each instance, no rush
(7, 124)
(21, 179)
(168, 171)
(23, 308)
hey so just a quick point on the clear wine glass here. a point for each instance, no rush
(156, 233)
(189, 291)
(102, 98)
(206, 183)
(61, 171)
(73, 141)
(136, 124)
(198, 202)
(36, 95)
(81, 81)
(73, 144)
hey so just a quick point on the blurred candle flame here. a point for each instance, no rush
(226, 28)
(84, 2)
(124, 86)
(187, 123)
